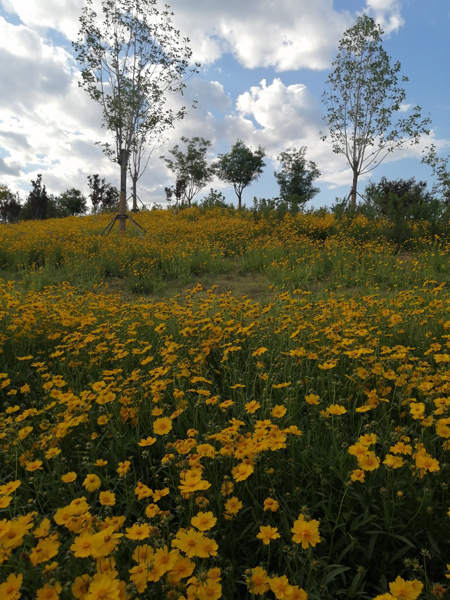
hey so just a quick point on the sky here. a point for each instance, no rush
(264, 67)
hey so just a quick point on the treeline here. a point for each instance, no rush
(40, 204)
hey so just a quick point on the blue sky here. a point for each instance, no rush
(264, 68)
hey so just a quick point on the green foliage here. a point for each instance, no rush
(103, 196)
(296, 177)
(138, 53)
(10, 206)
(38, 199)
(441, 171)
(364, 94)
(214, 199)
(240, 167)
(191, 166)
(72, 203)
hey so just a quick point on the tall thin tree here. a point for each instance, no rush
(131, 58)
(363, 96)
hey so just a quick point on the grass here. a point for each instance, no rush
(266, 416)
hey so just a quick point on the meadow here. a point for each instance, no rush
(237, 406)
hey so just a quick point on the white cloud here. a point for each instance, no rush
(387, 13)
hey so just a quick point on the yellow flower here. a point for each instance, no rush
(232, 506)
(267, 533)
(369, 461)
(358, 475)
(306, 533)
(92, 482)
(162, 426)
(107, 498)
(100, 462)
(405, 590)
(48, 592)
(9, 488)
(83, 545)
(280, 587)
(271, 504)
(123, 467)
(336, 409)
(104, 587)
(188, 541)
(80, 586)
(9, 590)
(312, 399)
(258, 582)
(34, 465)
(204, 521)
(252, 406)
(5, 501)
(138, 531)
(24, 432)
(147, 442)
(69, 477)
(241, 471)
(278, 411)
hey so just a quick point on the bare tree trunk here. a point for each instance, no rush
(353, 192)
(123, 191)
(135, 207)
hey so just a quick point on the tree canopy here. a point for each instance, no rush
(296, 177)
(131, 59)
(191, 166)
(364, 95)
(240, 167)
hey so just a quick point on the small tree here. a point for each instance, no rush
(130, 60)
(103, 196)
(72, 202)
(441, 171)
(296, 177)
(191, 166)
(240, 167)
(363, 96)
(38, 199)
(178, 190)
(10, 206)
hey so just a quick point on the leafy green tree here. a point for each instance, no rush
(103, 196)
(404, 198)
(38, 199)
(240, 167)
(296, 178)
(10, 206)
(364, 94)
(441, 171)
(131, 59)
(72, 202)
(214, 199)
(191, 166)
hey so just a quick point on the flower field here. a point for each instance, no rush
(205, 445)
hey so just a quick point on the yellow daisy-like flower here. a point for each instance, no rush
(258, 581)
(241, 471)
(405, 590)
(204, 521)
(107, 498)
(271, 504)
(306, 533)
(147, 442)
(69, 477)
(138, 531)
(267, 534)
(104, 587)
(10, 588)
(162, 426)
(278, 411)
(92, 482)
